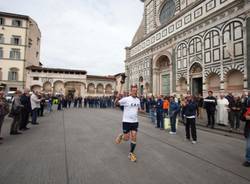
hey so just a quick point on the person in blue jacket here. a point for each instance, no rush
(159, 113)
(173, 111)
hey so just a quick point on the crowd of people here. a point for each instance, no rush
(221, 110)
(91, 102)
(163, 111)
(224, 110)
(28, 104)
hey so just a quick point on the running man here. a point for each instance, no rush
(130, 125)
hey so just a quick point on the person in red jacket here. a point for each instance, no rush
(247, 135)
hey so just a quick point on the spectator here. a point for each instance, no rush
(4, 110)
(25, 101)
(165, 107)
(16, 113)
(42, 104)
(222, 110)
(190, 110)
(231, 106)
(159, 113)
(35, 104)
(236, 112)
(173, 111)
(152, 108)
(49, 103)
(247, 136)
(210, 104)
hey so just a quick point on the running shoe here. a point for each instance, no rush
(118, 140)
(132, 157)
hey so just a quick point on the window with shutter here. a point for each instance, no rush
(11, 55)
(13, 74)
(15, 54)
(1, 38)
(17, 23)
(1, 52)
(9, 75)
(2, 21)
(16, 40)
(1, 74)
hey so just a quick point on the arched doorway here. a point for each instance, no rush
(161, 76)
(213, 82)
(74, 89)
(108, 89)
(196, 79)
(182, 85)
(234, 81)
(36, 88)
(58, 87)
(47, 87)
(100, 89)
(91, 88)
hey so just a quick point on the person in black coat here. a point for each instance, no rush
(42, 104)
(210, 104)
(231, 106)
(190, 111)
(25, 101)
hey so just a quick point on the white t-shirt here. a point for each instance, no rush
(131, 106)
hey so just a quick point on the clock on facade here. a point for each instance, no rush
(167, 11)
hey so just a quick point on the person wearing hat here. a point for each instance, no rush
(210, 104)
(130, 125)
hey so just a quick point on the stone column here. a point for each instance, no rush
(171, 82)
(173, 71)
(247, 66)
(204, 86)
(188, 81)
(222, 85)
(82, 90)
(95, 91)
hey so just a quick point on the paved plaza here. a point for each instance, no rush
(76, 146)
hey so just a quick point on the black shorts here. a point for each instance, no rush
(127, 127)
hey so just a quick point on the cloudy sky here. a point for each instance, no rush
(82, 34)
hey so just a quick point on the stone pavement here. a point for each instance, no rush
(76, 146)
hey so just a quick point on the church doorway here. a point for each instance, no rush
(165, 82)
(161, 76)
(197, 86)
(71, 93)
(196, 79)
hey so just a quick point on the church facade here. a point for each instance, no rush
(191, 45)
